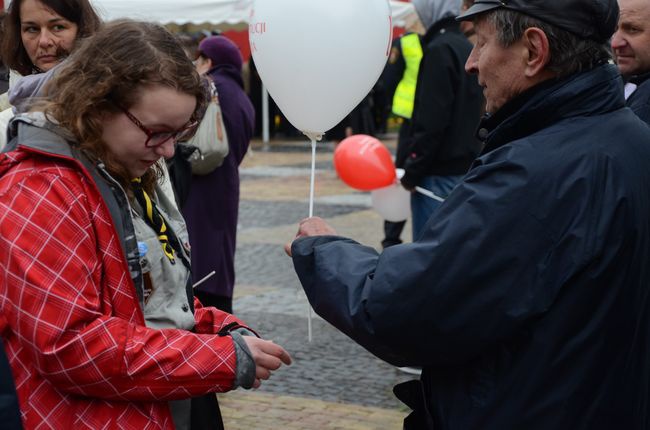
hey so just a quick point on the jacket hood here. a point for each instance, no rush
(225, 57)
(432, 11)
(29, 87)
(229, 71)
(42, 134)
(221, 50)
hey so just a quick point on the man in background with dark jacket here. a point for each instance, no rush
(631, 45)
(401, 75)
(526, 298)
(440, 145)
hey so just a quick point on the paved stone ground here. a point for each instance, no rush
(333, 383)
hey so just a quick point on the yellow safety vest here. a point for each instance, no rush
(404, 97)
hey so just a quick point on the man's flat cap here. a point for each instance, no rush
(587, 19)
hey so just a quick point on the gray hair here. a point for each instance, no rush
(569, 53)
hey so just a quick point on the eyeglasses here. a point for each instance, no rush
(158, 138)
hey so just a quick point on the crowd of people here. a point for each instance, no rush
(523, 297)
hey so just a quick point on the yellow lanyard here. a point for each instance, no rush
(153, 218)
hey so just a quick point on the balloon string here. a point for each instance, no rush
(429, 194)
(309, 329)
(313, 174)
(311, 214)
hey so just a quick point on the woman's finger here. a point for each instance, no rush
(262, 372)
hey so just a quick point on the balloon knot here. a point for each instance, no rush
(313, 135)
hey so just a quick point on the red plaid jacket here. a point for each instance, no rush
(74, 331)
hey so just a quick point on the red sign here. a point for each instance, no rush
(241, 40)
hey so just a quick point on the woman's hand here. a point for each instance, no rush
(268, 357)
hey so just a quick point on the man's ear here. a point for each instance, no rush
(536, 43)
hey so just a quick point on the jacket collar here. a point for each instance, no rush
(639, 79)
(589, 93)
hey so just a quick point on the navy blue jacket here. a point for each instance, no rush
(639, 100)
(526, 299)
(9, 410)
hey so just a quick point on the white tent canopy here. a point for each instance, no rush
(176, 11)
(201, 11)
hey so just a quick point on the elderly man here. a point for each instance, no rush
(527, 298)
(631, 45)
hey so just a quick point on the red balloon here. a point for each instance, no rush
(364, 163)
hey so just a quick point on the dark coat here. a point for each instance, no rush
(447, 109)
(639, 101)
(526, 298)
(9, 410)
(212, 206)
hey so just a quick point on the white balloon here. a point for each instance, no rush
(319, 58)
(393, 202)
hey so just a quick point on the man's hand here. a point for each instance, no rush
(267, 356)
(313, 226)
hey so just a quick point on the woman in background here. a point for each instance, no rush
(37, 36)
(211, 209)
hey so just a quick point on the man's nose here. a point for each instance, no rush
(618, 41)
(471, 65)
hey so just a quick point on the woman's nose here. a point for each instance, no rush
(167, 149)
(45, 39)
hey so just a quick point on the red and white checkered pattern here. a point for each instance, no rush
(69, 314)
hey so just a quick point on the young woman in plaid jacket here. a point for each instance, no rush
(96, 307)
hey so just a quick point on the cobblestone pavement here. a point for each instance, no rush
(333, 383)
